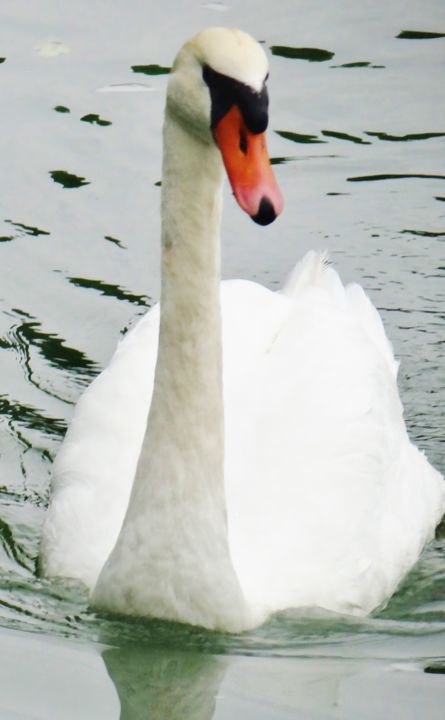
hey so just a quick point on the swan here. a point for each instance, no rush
(274, 470)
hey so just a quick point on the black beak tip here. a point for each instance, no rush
(266, 213)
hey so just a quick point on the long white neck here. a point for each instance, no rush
(187, 398)
(176, 521)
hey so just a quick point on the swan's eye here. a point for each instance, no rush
(225, 92)
(243, 142)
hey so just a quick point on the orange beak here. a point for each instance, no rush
(248, 166)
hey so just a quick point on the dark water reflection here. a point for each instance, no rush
(404, 138)
(359, 64)
(419, 35)
(110, 290)
(310, 54)
(68, 180)
(298, 137)
(27, 229)
(395, 176)
(344, 136)
(94, 119)
(67, 291)
(151, 69)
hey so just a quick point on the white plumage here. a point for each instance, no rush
(328, 502)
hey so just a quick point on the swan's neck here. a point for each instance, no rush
(187, 397)
(176, 522)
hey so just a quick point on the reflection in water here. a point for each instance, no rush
(13, 550)
(311, 139)
(281, 160)
(310, 54)
(405, 138)
(110, 290)
(27, 335)
(424, 233)
(436, 668)
(94, 119)
(28, 229)
(115, 241)
(298, 137)
(30, 603)
(21, 415)
(295, 666)
(151, 69)
(345, 136)
(395, 176)
(160, 685)
(156, 684)
(68, 180)
(359, 64)
(419, 35)
(409, 137)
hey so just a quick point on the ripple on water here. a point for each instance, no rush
(13, 551)
(68, 180)
(409, 137)
(302, 53)
(395, 176)
(27, 229)
(27, 337)
(299, 137)
(61, 607)
(95, 119)
(359, 64)
(115, 241)
(424, 233)
(20, 415)
(151, 69)
(282, 160)
(345, 136)
(419, 35)
(110, 290)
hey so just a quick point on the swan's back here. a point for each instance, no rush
(329, 502)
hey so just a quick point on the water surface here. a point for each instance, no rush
(357, 135)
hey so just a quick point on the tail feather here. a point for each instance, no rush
(310, 270)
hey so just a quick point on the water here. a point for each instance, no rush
(357, 135)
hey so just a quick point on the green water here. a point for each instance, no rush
(357, 135)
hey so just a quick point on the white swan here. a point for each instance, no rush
(325, 502)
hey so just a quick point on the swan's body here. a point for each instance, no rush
(297, 484)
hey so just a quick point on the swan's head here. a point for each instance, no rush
(217, 90)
